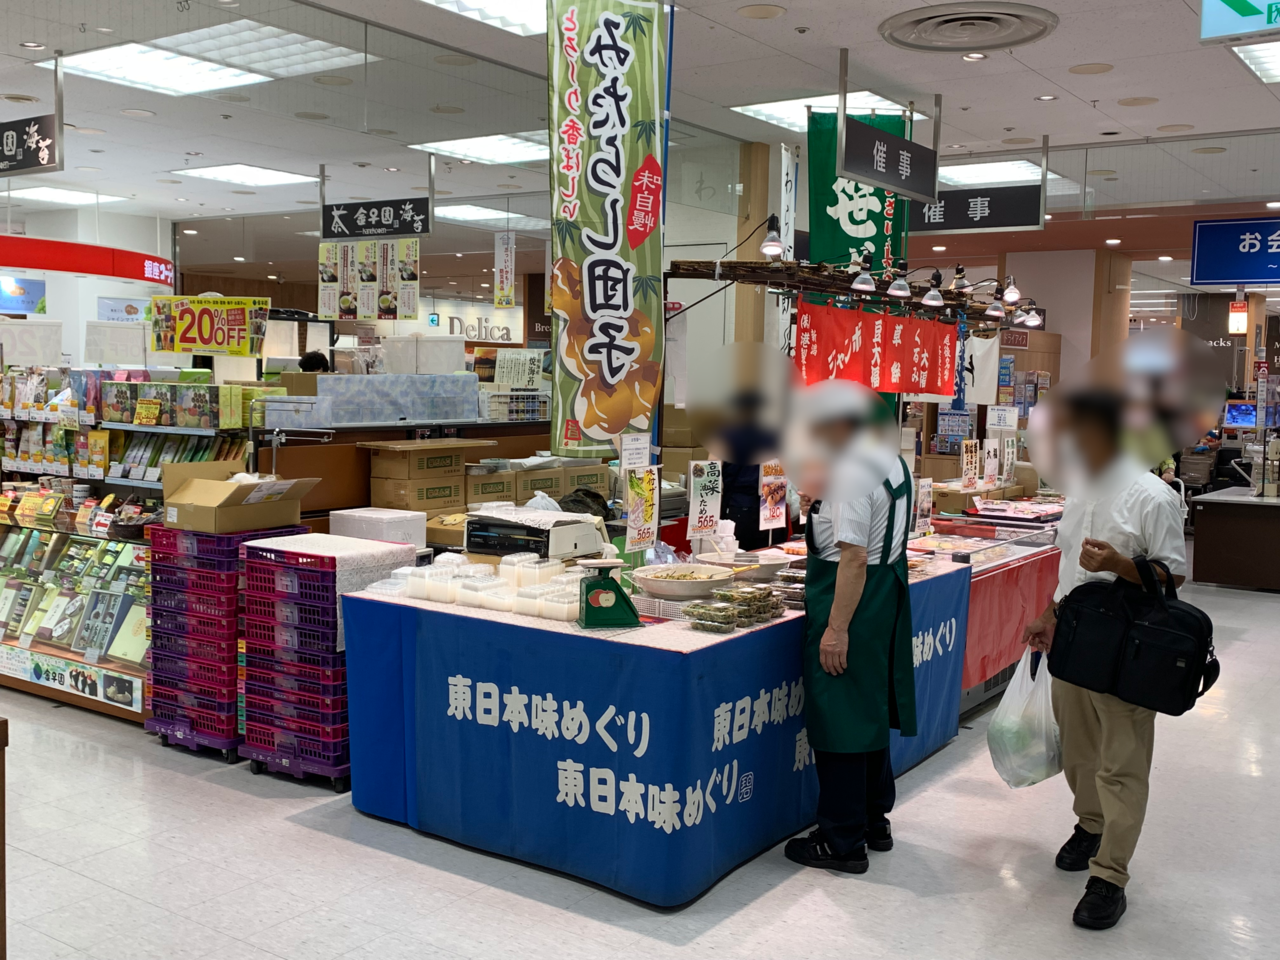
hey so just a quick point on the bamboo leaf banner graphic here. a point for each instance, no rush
(607, 64)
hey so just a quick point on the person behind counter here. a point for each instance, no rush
(856, 585)
(742, 445)
(313, 361)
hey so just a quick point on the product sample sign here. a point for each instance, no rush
(924, 505)
(607, 64)
(377, 218)
(706, 486)
(976, 209)
(209, 326)
(883, 159)
(642, 509)
(504, 270)
(773, 496)
(1235, 251)
(20, 295)
(1229, 21)
(29, 145)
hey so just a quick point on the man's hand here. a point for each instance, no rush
(806, 502)
(833, 651)
(1038, 634)
(1098, 556)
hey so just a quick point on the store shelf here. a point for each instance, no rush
(412, 424)
(186, 431)
(126, 482)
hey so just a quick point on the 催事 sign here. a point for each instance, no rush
(210, 326)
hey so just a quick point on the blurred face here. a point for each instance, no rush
(832, 438)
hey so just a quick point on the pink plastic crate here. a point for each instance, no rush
(304, 671)
(212, 544)
(291, 583)
(196, 648)
(197, 581)
(200, 670)
(194, 625)
(287, 611)
(280, 655)
(287, 716)
(221, 690)
(288, 558)
(214, 724)
(324, 708)
(315, 639)
(291, 687)
(190, 561)
(286, 741)
(160, 693)
(205, 604)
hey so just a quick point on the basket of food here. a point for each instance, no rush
(681, 581)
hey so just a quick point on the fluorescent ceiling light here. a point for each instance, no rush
(248, 175)
(77, 198)
(260, 48)
(308, 233)
(999, 171)
(487, 216)
(1262, 58)
(160, 71)
(792, 114)
(1144, 292)
(499, 148)
(521, 17)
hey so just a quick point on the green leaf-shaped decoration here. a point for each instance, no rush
(647, 286)
(567, 233)
(637, 23)
(645, 130)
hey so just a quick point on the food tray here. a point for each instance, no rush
(225, 545)
(304, 671)
(205, 604)
(325, 707)
(224, 691)
(197, 581)
(315, 639)
(291, 583)
(194, 625)
(286, 611)
(278, 654)
(196, 648)
(159, 693)
(192, 562)
(276, 740)
(294, 689)
(181, 733)
(200, 670)
(295, 725)
(202, 721)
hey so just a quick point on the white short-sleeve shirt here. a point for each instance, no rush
(861, 521)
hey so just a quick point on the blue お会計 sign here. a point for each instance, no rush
(1236, 251)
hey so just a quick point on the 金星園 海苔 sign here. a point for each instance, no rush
(29, 145)
(407, 217)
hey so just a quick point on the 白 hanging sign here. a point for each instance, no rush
(607, 64)
(376, 218)
(979, 209)
(30, 145)
(209, 326)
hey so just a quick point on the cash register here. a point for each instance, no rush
(497, 531)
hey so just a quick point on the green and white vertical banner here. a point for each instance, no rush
(848, 219)
(607, 64)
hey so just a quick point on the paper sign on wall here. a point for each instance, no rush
(1002, 418)
(406, 286)
(31, 343)
(773, 496)
(706, 484)
(634, 453)
(504, 270)
(367, 271)
(328, 280)
(642, 509)
(209, 326)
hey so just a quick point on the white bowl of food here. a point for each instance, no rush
(761, 568)
(681, 581)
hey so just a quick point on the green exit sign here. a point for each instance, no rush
(1236, 21)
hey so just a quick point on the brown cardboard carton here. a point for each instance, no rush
(488, 487)
(676, 430)
(675, 461)
(529, 482)
(431, 495)
(593, 477)
(939, 466)
(210, 505)
(454, 535)
(420, 459)
(957, 501)
(299, 384)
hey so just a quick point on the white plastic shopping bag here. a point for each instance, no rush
(1023, 735)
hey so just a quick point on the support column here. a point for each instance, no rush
(1112, 277)
(753, 208)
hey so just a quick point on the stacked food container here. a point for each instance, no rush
(292, 709)
(194, 597)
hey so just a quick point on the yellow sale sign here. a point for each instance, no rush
(211, 326)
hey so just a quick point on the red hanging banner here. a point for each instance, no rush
(833, 344)
(944, 363)
(893, 375)
(919, 360)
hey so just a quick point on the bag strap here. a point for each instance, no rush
(1170, 589)
(1150, 583)
(1212, 670)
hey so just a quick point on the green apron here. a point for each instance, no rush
(854, 712)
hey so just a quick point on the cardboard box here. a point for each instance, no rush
(939, 466)
(594, 477)
(957, 501)
(676, 429)
(299, 384)
(675, 461)
(454, 535)
(420, 459)
(200, 497)
(1025, 475)
(529, 482)
(430, 495)
(488, 487)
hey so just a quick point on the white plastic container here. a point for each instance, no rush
(472, 590)
(507, 566)
(570, 578)
(501, 600)
(540, 571)
(438, 585)
(560, 606)
(528, 600)
(378, 523)
(388, 588)
(450, 560)
(415, 580)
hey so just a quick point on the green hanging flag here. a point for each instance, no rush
(848, 219)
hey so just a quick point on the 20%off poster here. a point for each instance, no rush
(210, 326)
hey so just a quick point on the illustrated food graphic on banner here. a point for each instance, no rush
(329, 283)
(608, 74)
(706, 484)
(773, 496)
(407, 285)
(210, 326)
(642, 509)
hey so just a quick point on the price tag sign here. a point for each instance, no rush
(117, 470)
(101, 525)
(209, 326)
(152, 474)
(147, 412)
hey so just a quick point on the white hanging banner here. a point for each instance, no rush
(115, 341)
(705, 484)
(31, 343)
(504, 270)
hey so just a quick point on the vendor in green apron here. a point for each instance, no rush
(858, 676)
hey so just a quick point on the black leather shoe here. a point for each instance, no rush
(1079, 850)
(813, 851)
(880, 839)
(1102, 905)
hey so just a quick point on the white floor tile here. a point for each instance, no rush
(75, 842)
(24, 943)
(319, 934)
(396, 946)
(48, 890)
(87, 923)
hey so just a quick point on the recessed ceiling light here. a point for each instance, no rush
(1048, 216)
(972, 57)
(104, 29)
(1138, 101)
(78, 198)
(307, 203)
(1087, 68)
(1166, 259)
(391, 169)
(228, 208)
(97, 151)
(447, 108)
(309, 233)
(245, 193)
(499, 148)
(88, 131)
(190, 233)
(180, 199)
(794, 115)
(311, 115)
(89, 169)
(1013, 141)
(247, 174)
(137, 112)
(471, 213)
(1207, 150)
(1262, 58)
(194, 153)
(999, 171)
(455, 60)
(31, 45)
(150, 68)
(444, 193)
(1115, 178)
(1176, 127)
(939, 249)
(524, 18)
(457, 254)
(332, 81)
(1046, 97)
(232, 98)
(484, 285)
(454, 282)
(361, 198)
(1099, 173)
(1274, 205)
(1113, 243)
(761, 11)
(422, 189)
(21, 98)
(253, 46)
(381, 132)
(238, 259)
(955, 146)
(509, 186)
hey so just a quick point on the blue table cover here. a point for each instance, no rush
(648, 771)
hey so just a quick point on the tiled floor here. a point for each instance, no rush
(120, 849)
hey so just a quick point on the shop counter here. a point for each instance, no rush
(650, 760)
(1004, 598)
(1230, 526)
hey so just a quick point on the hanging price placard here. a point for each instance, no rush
(209, 326)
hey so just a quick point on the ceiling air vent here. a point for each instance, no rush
(968, 27)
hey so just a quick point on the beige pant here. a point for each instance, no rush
(1106, 758)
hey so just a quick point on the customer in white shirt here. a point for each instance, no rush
(1115, 510)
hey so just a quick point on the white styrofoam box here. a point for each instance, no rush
(377, 523)
(316, 412)
(400, 354)
(442, 354)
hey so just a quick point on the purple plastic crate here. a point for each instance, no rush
(180, 732)
(158, 692)
(324, 706)
(193, 562)
(288, 761)
(283, 655)
(194, 625)
(195, 648)
(315, 639)
(252, 704)
(195, 581)
(214, 690)
(225, 545)
(202, 721)
(288, 742)
(204, 604)
(286, 685)
(291, 583)
(288, 558)
(200, 670)
(287, 611)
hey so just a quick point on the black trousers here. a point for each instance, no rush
(855, 792)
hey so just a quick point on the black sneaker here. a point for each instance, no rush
(880, 839)
(1079, 850)
(1102, 905)
(813, 851)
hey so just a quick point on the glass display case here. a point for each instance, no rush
(978, 543)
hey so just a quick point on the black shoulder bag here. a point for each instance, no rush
(1138, 643)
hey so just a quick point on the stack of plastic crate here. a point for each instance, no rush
(194, 599)
(292, 677)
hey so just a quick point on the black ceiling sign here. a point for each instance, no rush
(376, 218)
(888, 161)
(29, 145)
(977, 209)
